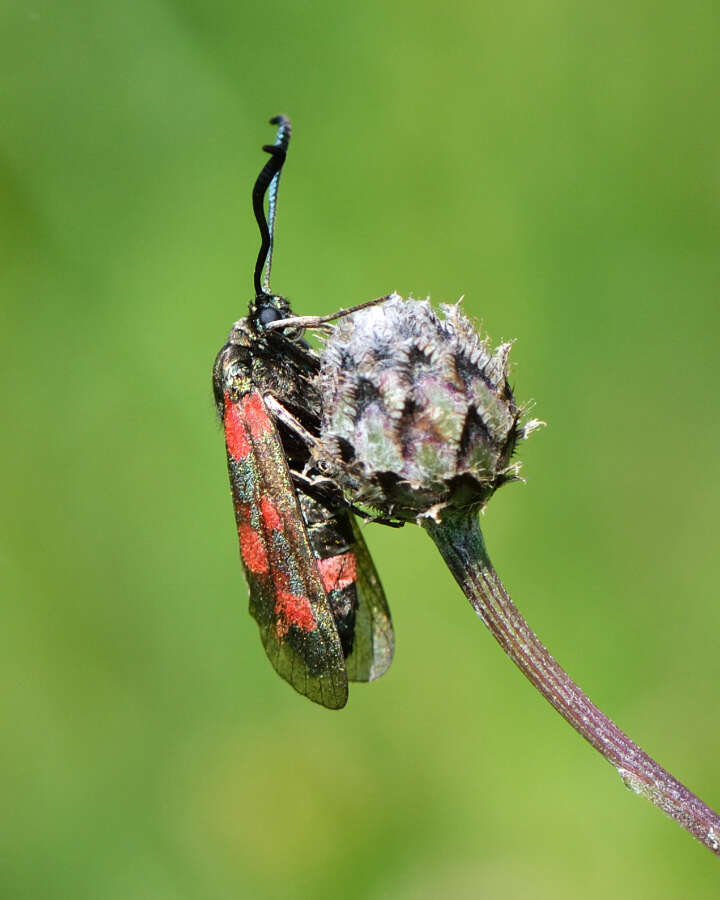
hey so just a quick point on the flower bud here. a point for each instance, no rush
(418, 414)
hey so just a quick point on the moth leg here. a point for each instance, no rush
(326, 491)
(282, 414)
(319, 321)
(320, 488)
(369, 517)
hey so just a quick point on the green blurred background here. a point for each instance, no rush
(559, 164)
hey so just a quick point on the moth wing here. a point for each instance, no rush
(287, 597)
(374, 639)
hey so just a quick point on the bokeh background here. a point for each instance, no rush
(557, 163)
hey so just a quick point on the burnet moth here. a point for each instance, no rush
(314, 590)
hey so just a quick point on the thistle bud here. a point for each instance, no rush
(418, 414)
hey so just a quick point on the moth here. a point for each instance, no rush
(314, 590)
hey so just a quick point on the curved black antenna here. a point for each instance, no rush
(269, 178)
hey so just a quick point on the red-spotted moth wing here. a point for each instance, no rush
(287, 595)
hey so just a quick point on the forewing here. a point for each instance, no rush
(287, 597)
(374, 641)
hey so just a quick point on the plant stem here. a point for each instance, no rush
(460, 541)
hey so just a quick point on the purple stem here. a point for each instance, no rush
(460, 541)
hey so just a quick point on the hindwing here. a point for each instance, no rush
(374, 642)
(355, 595)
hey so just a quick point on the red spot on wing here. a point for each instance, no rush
(253, 549)
(338, 571)
(256, 415)
(292, 609)
(270, 515)
(236, 437)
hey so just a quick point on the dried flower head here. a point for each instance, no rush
(418, 414)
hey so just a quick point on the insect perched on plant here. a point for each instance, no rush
(314, 590)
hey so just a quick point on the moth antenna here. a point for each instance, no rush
(267, 182)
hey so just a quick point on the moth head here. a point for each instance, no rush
(267, 308)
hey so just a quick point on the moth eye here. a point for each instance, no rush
(269, 314)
